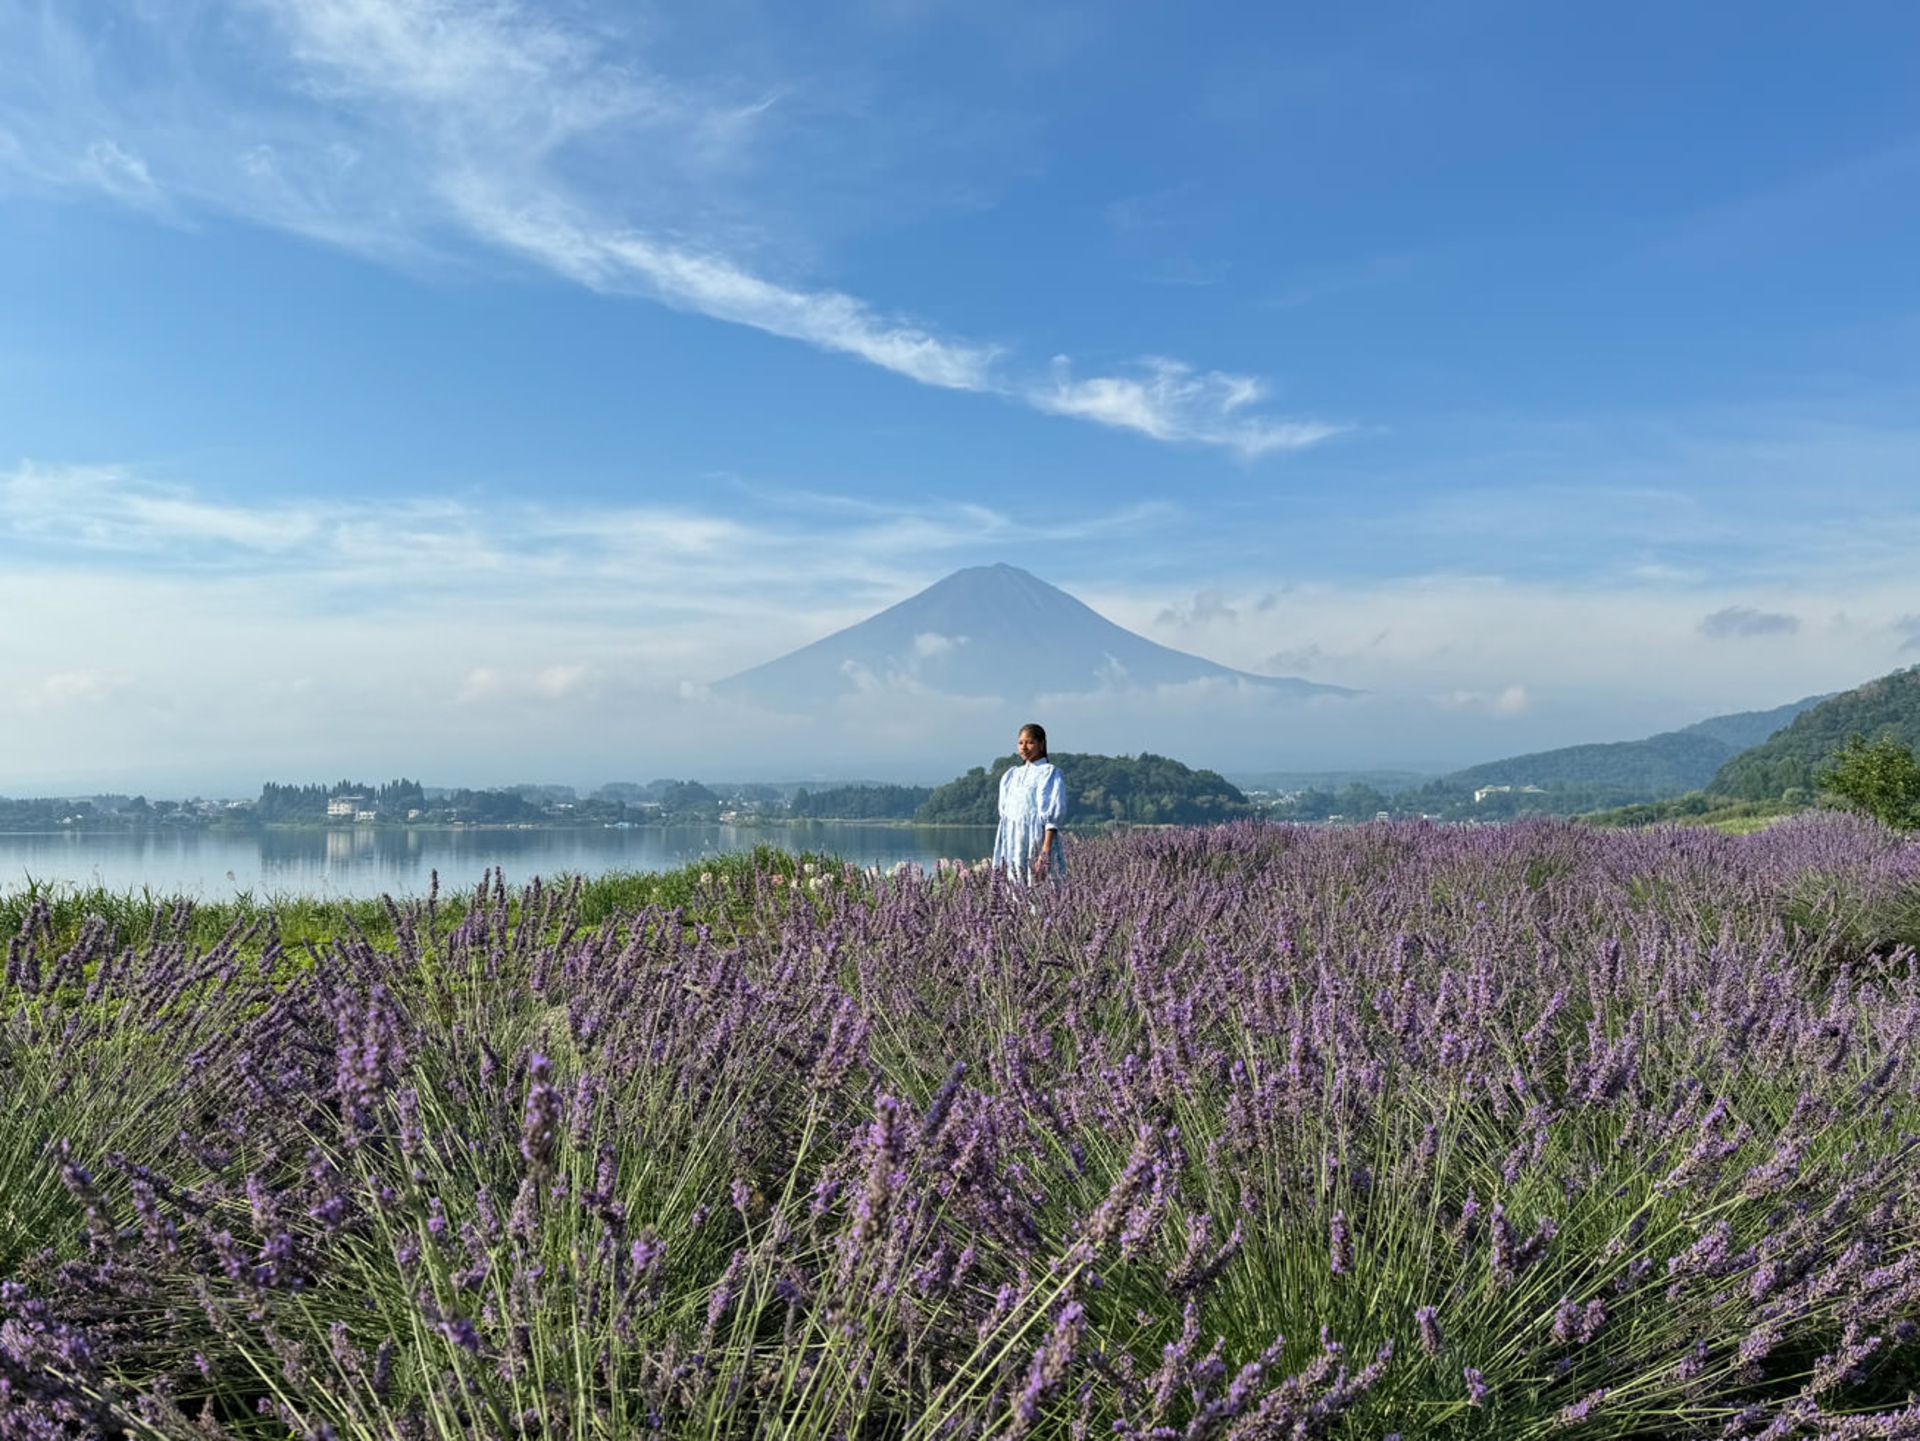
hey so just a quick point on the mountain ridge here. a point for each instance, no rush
(1670, 763)
(1793, 757)
(993, 630)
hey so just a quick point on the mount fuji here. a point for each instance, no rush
(991, 630)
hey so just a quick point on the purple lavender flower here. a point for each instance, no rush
(1580, 1410)
(1048, 1368)
(1427, 1319)
(1477, 1388)
(1340, 1244)
(1566, 1320)
(1592, 1318)
(461, 1332)
(542, 1119)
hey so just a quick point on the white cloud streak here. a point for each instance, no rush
(814, 559)
(393, 126)
(712, 286)
(1172, 401)
(121, 174)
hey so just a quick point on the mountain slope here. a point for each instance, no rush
(1794, 757)
(1668, 764)
(1746, 729)
(984, 631)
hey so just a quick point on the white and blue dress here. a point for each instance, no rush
(1033, 797)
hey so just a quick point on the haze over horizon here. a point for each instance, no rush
(463, 387)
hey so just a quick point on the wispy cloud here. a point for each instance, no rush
(1172, 401)
(64, 689)
(1739, 622)
(1599, 658)
(1206, 607)
(402, 128)
(814, 557)
(122, 174)
(1510, 700)
(712, 286)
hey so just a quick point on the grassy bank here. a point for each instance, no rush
(140, 918)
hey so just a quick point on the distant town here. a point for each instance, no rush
(1149, 790)
(409, 803)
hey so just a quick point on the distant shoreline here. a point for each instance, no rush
(309, 827)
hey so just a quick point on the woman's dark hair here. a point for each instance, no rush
(1038, 732)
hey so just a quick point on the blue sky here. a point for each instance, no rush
(463, 383)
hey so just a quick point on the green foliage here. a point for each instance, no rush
(1796, 756)
(687, 796)
(281, 802)
(1880, 777)
(859, 803)
(1699, 808)
(1144, 790)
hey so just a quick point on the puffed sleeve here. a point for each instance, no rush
(1000, 806)
(1053, 799)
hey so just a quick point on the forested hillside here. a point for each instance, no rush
(1661, 765)
(1744, 729)
(1793, 759)
(1668, 764)
(859, 803)
(1147, 789)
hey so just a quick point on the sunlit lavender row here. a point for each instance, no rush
(1255, 1132)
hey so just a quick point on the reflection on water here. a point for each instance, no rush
(369, 861)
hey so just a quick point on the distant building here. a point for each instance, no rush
(1485, 791)
(345, 807)
(366, 815)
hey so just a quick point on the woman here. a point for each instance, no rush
(1033, 803)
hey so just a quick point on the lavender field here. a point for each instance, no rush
(1247, 1133)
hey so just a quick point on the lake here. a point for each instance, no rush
(367, 861)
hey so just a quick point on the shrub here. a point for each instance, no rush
(1878, 777)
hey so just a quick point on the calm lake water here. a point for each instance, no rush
(214, 865)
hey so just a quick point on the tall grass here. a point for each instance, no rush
(139, 917)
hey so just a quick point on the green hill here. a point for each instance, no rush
(1745, 729)
(1661, 765)
(859, 802)
(1668, 764)
(1147, 789)
(1792, 759)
